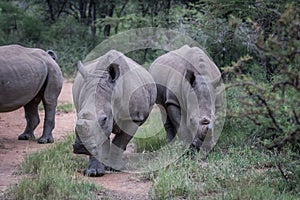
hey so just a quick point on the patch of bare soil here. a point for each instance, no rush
(122, 186)
(12, 152)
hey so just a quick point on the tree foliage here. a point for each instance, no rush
(273, 106)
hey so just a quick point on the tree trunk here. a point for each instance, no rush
(121, 13)
(92, 18)
(93, 25)
(109, 11)
(82, 10)
(61, 9)
(51, 10)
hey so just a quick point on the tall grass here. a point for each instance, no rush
(52, 174)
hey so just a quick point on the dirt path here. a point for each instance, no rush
(13, 151)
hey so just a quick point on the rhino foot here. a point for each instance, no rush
(91, 172)
(26, 136)
(94, 169)
(44, 140)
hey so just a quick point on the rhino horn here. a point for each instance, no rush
(81, 70)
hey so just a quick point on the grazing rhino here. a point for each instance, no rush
(112, 94)
(189, 91)
(27, 77)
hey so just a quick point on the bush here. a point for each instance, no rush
(273, 105)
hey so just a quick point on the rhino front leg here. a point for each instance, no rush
(78, 146)
(117, 148)
(95, 168)
(49, 123)
(32, 119)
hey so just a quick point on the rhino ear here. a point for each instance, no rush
(190, 77)
(81, 70)
(113, 71)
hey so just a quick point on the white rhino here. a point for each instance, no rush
(27, 77)
(112, 94)
(191, 93)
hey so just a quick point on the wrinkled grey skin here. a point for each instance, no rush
(112, 94)
(186, 90)
(27, 77)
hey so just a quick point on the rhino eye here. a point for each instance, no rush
(102, 120)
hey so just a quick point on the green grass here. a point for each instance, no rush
(151, 136)
(231, 171)
(52, 174)
(242, 173)
(65, 107)
(61, 107)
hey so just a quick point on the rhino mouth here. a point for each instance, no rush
(199, 138)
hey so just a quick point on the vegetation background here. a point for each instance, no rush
(255, 43)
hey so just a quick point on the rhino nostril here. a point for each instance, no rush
(204, 121)
(138, 118)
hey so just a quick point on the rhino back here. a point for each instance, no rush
(168, 71)
(178, 61)
(22, 75)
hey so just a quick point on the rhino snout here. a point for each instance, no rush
(139, 117)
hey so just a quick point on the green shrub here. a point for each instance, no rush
(272, 105)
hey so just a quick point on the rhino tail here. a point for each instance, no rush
(52, 54)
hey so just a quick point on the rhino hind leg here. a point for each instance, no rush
(95, 168)
(172, 122)
(48, 123)
(32, 119)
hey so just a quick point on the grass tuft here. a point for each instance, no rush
(52, 174)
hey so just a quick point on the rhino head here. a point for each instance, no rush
(124, 98)
(201, 98)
